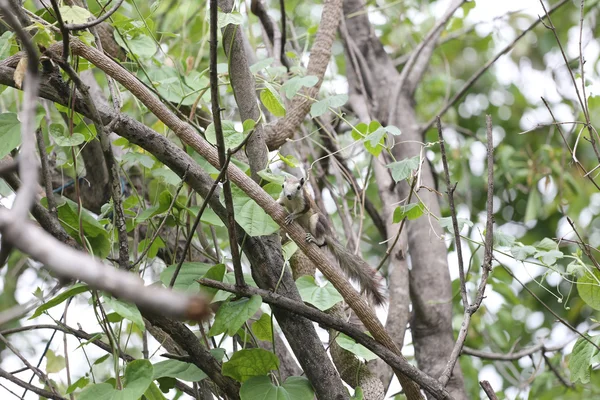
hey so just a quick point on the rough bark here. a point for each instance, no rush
(430, 285)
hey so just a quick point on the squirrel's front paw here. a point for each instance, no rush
(310, 238)
(289, 219)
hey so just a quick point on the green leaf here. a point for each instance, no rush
(576, 268)
(446, 222)
(299, 388)
(54, 363)
(263, 328)
(155, 246)
(293, 85)
(174, 87)
(272, 101)
(289, 249)
(216, 273)
(72, 291)
(534, 205)
(43, 35)
(167, 176)
(467, 7)
(178, 369)
(521, 253)
(401, 170)
(581, 359)
(10, 133)
(208, 216)
(372, 135)
(101, 359)
(233, 18)
(6, 39)
(62, 138)
(232, 315)
(411, 211)
(589, 288)
(153, 393)
(186, 279)
(244, 364)
(503, 239)
(94, 232)
(100, 391)
(322, 297)
(135, 158)
(231, 136)
(126, 310)
(141, 45)
(78, 384)
(74, 14)
(358, 395)
(261, 387)
(347, 343)
(549, 257)
(251, 217)
(138, 376)
(547, 244)
(248, 125)
(261, 64)
(320, 107)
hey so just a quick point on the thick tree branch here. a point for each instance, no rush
(320, 53)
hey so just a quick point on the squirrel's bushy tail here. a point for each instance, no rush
(358, 269)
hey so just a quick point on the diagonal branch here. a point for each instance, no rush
(188, 135)
(399, 363)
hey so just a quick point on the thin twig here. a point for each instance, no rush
(296, 307)
(111, 164)
(470, 309)
(571, 151)
(216, 111)
(46, 179)
(561, 378)
(42, 392)
(401, 228)
(467, 85)
(43, 377)
(28, 169)
(63, 31)
(450, 191)
(89, 24)
(283, 34)
(549, 309)
(489, 391)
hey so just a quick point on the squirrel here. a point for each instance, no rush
(296, 199)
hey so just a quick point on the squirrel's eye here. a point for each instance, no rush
(299, 187)
(282, 185)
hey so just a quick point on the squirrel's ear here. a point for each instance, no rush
(302, 181)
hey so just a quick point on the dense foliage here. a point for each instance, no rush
(365, 137)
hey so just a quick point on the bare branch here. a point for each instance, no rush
(42, 392)
(216, 111)
(28, 169)
(317, 65)
(72, 264)
(489, 391)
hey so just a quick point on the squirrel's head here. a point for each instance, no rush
(292, 186)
